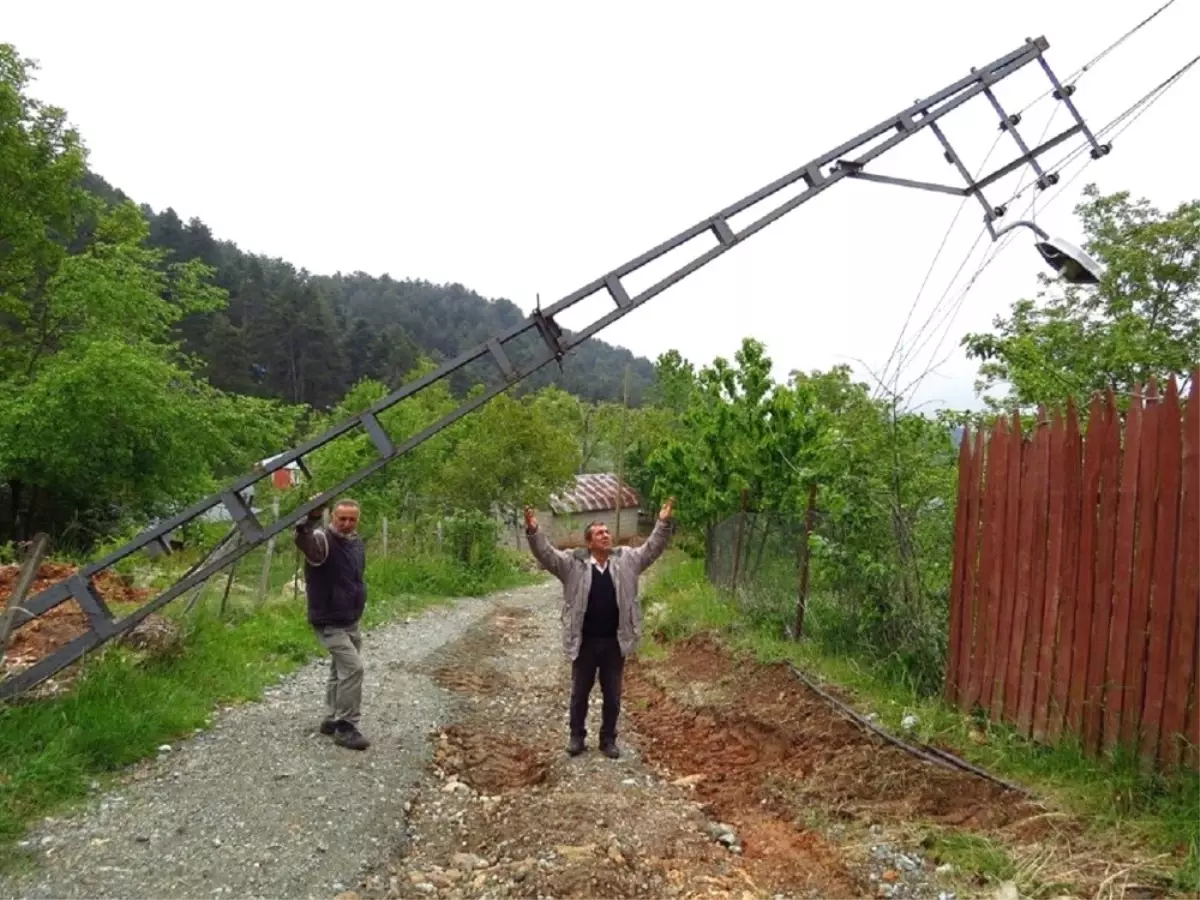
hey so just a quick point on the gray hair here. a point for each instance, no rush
(346, 501)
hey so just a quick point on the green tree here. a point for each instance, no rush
(885, 483)
(41, 163)
(102, 420)
(506, 456)
(1141, 321)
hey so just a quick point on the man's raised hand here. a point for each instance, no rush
(319, 512)
(530, 519)
(667, 508)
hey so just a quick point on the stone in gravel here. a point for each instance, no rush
(425, 887)
(890, 876)
(576, 853)
(469, 861)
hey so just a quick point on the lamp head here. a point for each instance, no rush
(1071, 262)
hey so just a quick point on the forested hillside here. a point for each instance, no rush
(305, 338)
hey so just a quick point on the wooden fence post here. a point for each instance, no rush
(264, 580)
(737, 542)
(805, 558)
(16, 601)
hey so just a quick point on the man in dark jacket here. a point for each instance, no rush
(334, 561)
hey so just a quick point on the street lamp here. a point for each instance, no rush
(1071, 262)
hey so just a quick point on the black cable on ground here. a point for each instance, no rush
(924, 752)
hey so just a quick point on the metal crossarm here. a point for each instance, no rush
(849, 160)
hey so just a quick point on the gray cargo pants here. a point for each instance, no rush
(343, 689)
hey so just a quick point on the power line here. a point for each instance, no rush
(1087, 67)
(1136, 110)
(989, 257)
(1133, 112)
(933, 264)
(1146, 100)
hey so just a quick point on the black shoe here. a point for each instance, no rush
(328, 726)
(610, 749)
(576, 746)
(350, 737)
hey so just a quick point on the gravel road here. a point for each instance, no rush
(261, 805)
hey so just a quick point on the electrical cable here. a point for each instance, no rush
(1147, 100)
(952, 314)
(933, 264)
(1136, 110)
(1144, 103)
(994, 252)
(1074, 77)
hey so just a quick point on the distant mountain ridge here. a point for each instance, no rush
(308, 338)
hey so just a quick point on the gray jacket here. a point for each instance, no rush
(573, 568)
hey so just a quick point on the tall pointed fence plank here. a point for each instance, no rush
(1192, 756)
(983, 568)
(1139, 607)
(1009, 562)
(1039, 547)
(1123, 572)
(971, 629)
(1073, 479)
(1054, 568)
(1162, 585)
(1181, 667)
(959, 572)
(1024, 552)
(1102, 585)
(1093, 450)
(990, 572)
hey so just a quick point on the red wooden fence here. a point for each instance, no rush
(1075, 598)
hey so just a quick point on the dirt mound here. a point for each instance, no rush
(756, 743)
(57, 627)
(491, 763)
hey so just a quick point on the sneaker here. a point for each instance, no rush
(328, 726)
(350, 737)
(576, 746)
(610, 749)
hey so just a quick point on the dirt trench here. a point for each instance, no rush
(736, 781)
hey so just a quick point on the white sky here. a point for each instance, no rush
(524, 147)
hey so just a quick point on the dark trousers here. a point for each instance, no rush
(603, 656)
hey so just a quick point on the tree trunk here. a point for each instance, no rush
(805, 559)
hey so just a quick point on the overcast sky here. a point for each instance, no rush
(521, 148)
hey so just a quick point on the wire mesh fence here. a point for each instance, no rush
(760, 559)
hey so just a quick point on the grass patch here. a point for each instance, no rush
(971, 853)
(125, 705)
(1121, 802)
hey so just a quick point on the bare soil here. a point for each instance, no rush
(736, 780)
(38, 638)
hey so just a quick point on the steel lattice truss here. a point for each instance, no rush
(849, 160)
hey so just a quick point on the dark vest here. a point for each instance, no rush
(602, 616)
(336, 591)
